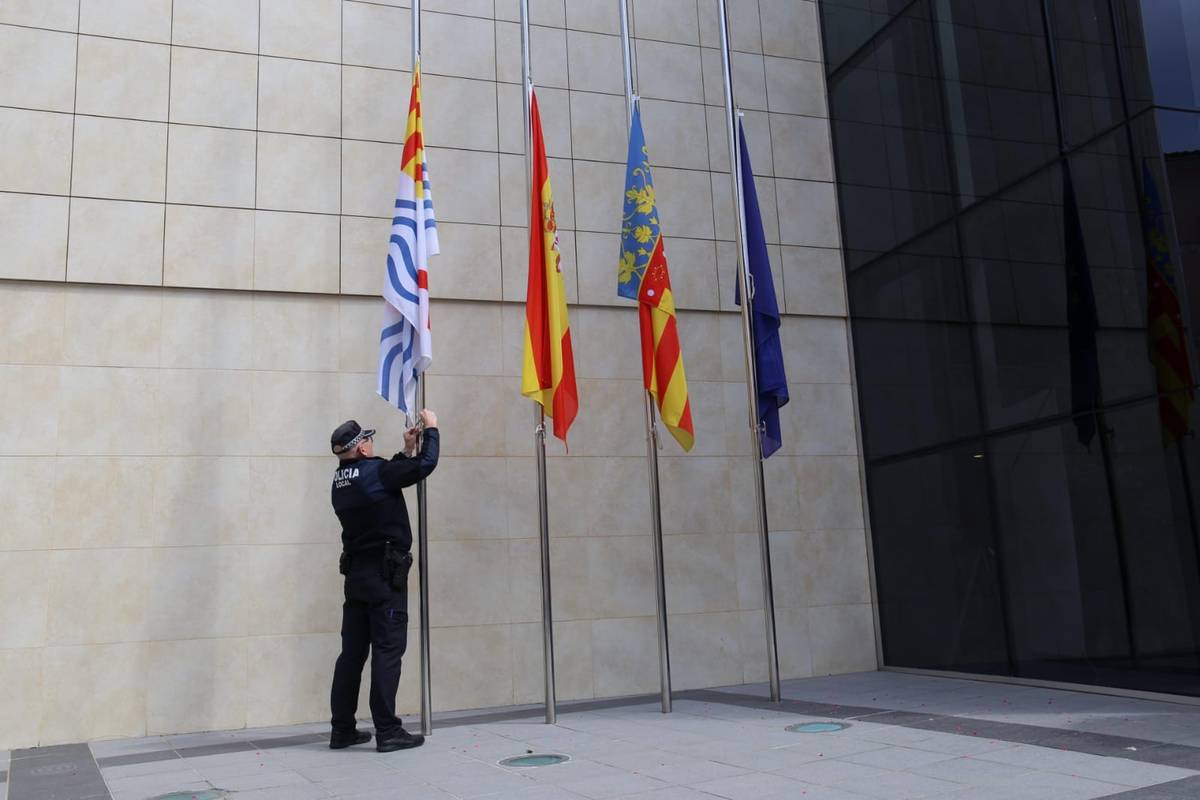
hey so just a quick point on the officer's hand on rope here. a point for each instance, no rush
(428, 418)
(410, 440)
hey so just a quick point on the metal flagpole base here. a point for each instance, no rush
(768, 595)
(660, 584)
(544, 531)
(423, 583)
(423, 577)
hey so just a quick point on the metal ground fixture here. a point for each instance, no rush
(817, 727)
(535, 760)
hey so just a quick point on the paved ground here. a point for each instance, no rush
(908, 737)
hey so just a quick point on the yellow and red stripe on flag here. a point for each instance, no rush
(642, 274)
(548, 374)
(405, 341)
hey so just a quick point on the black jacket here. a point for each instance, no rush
(367, 499)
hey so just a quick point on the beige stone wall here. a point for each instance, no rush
(194, 206)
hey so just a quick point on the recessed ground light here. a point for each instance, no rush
(535, 760)
(817, 727)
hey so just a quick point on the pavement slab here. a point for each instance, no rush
(906, 737)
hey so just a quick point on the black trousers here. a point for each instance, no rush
(375, 618)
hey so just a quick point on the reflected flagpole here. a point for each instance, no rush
(735, 172)
(1147, 219)
(540, 414)
(660, 584)
(422, 495)
(1087, 393)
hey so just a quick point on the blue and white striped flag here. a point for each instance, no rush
(405, 343)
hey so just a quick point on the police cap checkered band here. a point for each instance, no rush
(347, 435)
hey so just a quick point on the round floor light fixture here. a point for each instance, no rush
(535, 760)
(817, 727)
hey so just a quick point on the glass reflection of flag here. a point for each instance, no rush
(1164, 319)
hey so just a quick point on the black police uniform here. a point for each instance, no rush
(368, 502)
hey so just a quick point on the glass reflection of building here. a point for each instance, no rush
(1032, 469)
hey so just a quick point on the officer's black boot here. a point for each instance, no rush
(340, 741)
(398, 739)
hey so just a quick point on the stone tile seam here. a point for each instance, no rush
(493, 20)
(1105, 745)
(497, 81)
(1187, 788)
(710, 170)
(473, 224)
(247, 745)
(358, 296)
(545, 89)
(1011, 732)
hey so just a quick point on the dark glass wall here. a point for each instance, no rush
(1019, 185)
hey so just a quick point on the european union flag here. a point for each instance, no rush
(764, 314)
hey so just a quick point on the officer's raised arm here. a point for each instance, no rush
(404, 471)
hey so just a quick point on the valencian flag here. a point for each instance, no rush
(548, 375)
(642, 275)
(1082, 322)
(1168, 347)
(764, 313)
(405, 343)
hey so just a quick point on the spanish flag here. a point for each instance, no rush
(548, 375)
(642, 275)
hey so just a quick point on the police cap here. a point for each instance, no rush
(347, 435)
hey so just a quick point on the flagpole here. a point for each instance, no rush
(660, 583)
(422, 496)
(539, 433)
(423, 580)
(1097, 410)
(735, 170)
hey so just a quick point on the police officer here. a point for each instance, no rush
(376, 540)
